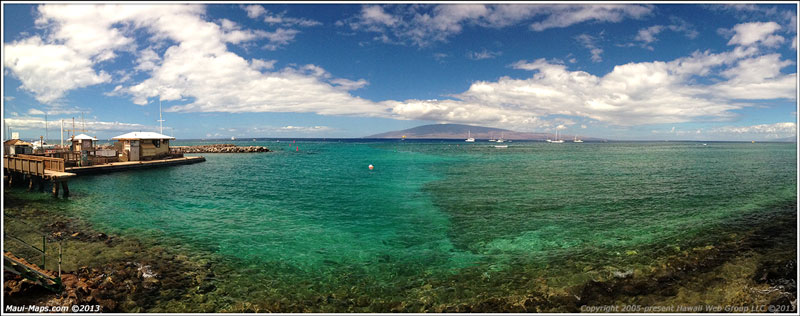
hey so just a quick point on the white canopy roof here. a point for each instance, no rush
(83, 137)
(143, 135)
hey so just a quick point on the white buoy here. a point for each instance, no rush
(371, 167)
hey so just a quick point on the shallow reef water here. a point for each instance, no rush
(444, 226)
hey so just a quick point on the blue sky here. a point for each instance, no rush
(619, 71)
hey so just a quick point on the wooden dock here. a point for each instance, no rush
(36, 170)
(131, 165)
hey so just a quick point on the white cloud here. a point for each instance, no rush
(50, 70)
(279, 37)
(566, 15)
(423, 25)
(348, 85)
(756, 32)
(631, 94)
(305, 129)
(148, 60)
(259, 64)
(764, 131)
(35, 112)
(28, 123)
(648, 35)
(589, 42)
(254, 11)
(483, 54)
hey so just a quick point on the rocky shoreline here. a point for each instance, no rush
(108, 273)
(221, 148)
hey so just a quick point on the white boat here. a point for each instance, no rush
(500, 146)
(576, 140)
(38, 145)
(557, 141)
(469, 138)
(492, 138)
(500, 140)
(233, 138)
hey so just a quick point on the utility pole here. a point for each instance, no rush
(45, 127)
(62, 133)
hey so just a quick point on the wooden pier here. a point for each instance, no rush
(36, 170)
(130, 165)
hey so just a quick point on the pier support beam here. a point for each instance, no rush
(66, 189)
(40, 183)
(30, 183)
(55, 189)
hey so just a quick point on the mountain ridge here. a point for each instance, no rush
(460, 131)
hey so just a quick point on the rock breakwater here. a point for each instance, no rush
(221, 148)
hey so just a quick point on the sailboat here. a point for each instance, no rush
(469, 138)
(492, 138)
(500, 140)
(576, 140)
(557, 141)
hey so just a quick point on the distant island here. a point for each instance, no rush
(459, 131)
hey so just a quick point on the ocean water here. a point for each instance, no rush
(435, 220)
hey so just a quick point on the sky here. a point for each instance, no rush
(627, 71)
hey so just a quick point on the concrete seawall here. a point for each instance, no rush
(221, 148)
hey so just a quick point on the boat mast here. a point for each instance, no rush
(160, 118)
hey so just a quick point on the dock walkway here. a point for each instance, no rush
(129, 165)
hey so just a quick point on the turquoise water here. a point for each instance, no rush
(297, 224)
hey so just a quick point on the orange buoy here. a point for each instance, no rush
(371, 167)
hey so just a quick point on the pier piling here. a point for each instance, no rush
(55, 189)
(66, 189)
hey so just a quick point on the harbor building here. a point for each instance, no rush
(142, 146)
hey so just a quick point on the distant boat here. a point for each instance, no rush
(254, 139)
(469, 138)
(500, 146)
(576, 140)
(557, 141)
(500, 140)
(233, 138)
(492, 138)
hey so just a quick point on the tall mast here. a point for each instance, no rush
(160, 118)
(62, 133)
(45, 127)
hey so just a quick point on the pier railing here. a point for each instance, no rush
(55, 164)
(25, 166)
(66, 155)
